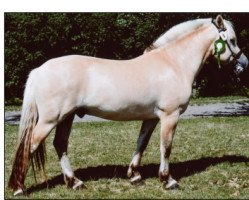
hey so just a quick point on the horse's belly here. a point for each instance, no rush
(122, 113)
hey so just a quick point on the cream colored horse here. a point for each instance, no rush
(154, 86)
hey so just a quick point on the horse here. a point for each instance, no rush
(155, 86)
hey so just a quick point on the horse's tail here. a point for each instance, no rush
(28, 121)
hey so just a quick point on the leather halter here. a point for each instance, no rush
(220, 30)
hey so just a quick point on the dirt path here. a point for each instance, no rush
(209, 110)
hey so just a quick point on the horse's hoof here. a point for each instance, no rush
(19, 192)
(136, 179)
(171, 184)
(78, 185)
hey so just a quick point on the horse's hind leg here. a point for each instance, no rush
(147, 128)
(61, 144)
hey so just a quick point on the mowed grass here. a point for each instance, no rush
(210, 159)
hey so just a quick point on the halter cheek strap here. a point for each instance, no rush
(223, 36)
(237, 55)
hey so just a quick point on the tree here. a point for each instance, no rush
(33, 38)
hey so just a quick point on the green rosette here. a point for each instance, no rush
(220, 48)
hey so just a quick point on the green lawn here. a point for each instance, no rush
(210, 158)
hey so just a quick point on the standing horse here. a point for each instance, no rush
(154, 86)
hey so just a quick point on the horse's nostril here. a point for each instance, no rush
(239, 69)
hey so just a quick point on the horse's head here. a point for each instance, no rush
(225, 46)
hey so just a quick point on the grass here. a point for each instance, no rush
(209, 158)
(12, 108)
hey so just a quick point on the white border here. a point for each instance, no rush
(102, 6)
(2, 106)
(125, 6)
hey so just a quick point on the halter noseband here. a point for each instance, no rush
(224, 39)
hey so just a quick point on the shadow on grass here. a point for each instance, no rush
(178, 170)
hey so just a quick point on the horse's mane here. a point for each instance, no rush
(181, 30)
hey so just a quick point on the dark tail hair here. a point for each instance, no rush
(23, 155)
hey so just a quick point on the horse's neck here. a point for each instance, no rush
(191, 51)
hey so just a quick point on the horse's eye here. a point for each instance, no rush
(233, 42)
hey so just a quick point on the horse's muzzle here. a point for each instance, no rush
(241, 64)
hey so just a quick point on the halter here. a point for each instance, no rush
(220, 44)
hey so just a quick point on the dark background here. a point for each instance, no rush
(33, 38)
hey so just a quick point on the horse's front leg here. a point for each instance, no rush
(147, 128)
(168, 126)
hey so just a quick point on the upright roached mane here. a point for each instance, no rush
(154, 86)
(180, 30)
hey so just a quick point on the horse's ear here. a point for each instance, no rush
(220, 22)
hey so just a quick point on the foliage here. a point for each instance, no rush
(33, 38)
(209, 158)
